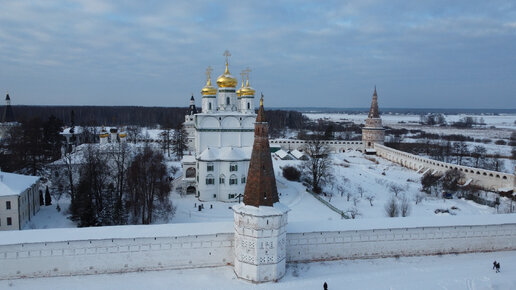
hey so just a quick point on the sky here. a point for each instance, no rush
(419, 54)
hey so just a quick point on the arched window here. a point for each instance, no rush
(190, 172)
(227, 100)
(222, 179)
(209, 106)
(248, 105)
(233, 180)
(210, 179)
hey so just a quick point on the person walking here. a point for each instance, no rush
(497, 267)
(325, 286)
(494, 265)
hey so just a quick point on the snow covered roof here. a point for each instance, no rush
(188, 159)
(296, 153)
(115, 232)
(400, 222)
(14, 184)
(281, 153)
(226, 154)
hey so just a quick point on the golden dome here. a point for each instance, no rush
(208, 90)
(226, 80)
(247, 90)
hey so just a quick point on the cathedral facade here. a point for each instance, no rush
(223, 135)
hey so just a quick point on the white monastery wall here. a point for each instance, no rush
(115, 255)
(490, 180)
(59, 252)
(371, 243)
(335, 146)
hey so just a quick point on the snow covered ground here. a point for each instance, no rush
(467, 271)
(351, 170)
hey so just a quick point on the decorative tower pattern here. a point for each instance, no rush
(261, 220)
(373, 131)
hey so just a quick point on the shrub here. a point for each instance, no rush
(392, 208)
(500, 142)
(291, 173)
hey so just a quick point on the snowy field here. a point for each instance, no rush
(466, 271)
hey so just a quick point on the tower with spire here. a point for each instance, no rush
(7, 114)
(260, 220)
(220, 138)
(373, 131)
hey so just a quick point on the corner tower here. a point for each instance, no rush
(261, 220)
(373, 131)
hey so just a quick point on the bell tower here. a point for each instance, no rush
(373, 131)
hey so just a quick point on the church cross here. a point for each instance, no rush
(227, 55)
(208, 72)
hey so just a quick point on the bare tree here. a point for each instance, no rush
(317, 167)
(166, 140)
(404, 206)
(148, 185)
(353, 212)
(133, 133)
(396, 188)
(419, 197)
(356, 200)
(120, 158)
(179, 142)
(370, 198)
(391, 207)
(360, 190)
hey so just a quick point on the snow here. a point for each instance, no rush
(277, 209)
(465, 271)
(400, 222)
(14, 184)
(297, 154)
(113, 232)
(226, 154)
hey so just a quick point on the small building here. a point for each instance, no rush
(299, 155)
(19, 200)
(283, 155)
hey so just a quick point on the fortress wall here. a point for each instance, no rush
(115, 255)
(487, 179)
(371, 243)
(335, 146)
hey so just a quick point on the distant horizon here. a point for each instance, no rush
(309, 109)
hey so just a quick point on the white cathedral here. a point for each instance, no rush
(220, 139)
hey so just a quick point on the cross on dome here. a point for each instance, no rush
(227, 54)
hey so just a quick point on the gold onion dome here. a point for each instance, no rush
(247, 90)
(226, 80)
(208, 90)
(239, 91)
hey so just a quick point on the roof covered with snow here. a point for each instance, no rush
(77, 130)
(281, 153)
(296, 153)
(188, 159)
(14, 184)
(114, 232)
(226, 154)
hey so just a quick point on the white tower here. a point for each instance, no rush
(103, 136)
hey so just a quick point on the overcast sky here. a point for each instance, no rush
(431, 54)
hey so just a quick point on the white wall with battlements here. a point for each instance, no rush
(490, 180)
(57, 252)
(96, 255)
(335, 146)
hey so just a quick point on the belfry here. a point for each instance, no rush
(261, 220)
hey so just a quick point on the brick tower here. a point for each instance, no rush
(261, 220)
(373, 132)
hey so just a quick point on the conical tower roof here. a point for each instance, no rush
(260, 189)
(373, 112)
(7, 113)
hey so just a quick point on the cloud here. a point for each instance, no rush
(313, 53)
